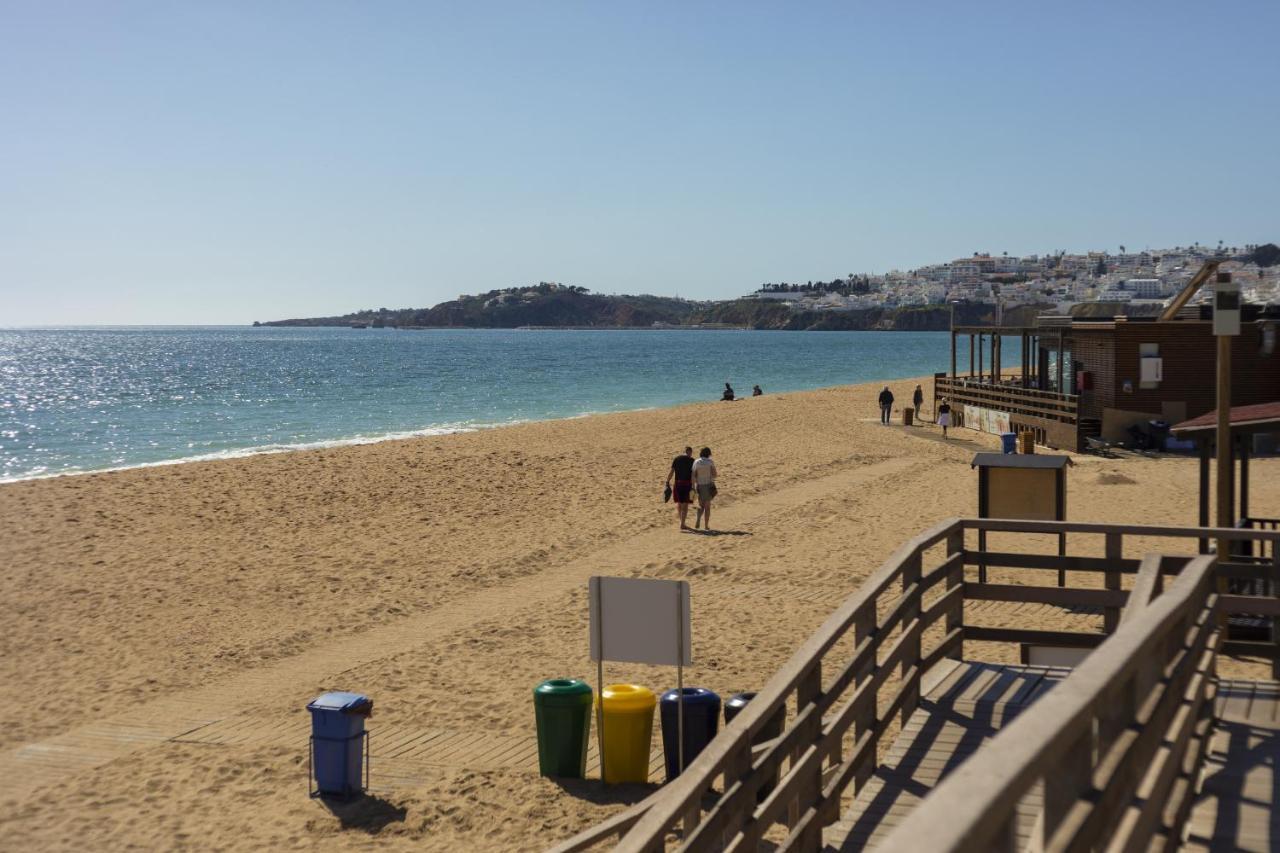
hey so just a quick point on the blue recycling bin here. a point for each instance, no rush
(1008, 442)
(337, 743)
(701, 722)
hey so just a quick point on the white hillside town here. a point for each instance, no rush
(1151, 276)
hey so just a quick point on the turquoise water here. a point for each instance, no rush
(87, 399)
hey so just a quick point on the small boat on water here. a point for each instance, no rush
(359, 325)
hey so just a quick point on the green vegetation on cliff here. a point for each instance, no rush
(549, 304)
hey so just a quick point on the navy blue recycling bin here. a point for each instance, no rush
(338, 761)
(771, 729)
(701, 722)
(1008, 442)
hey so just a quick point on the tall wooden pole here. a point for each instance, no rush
(1225, 463)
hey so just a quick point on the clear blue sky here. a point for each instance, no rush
(227, 161)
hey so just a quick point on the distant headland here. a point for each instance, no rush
(551, 305)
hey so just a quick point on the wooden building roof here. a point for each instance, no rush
(1263, 417)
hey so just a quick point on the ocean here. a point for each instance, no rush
(89, 399)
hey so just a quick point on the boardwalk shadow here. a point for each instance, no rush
(595, 791)
(721, 532)
(366, 812)
(1244, 781)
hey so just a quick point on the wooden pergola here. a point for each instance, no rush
(1034, 370)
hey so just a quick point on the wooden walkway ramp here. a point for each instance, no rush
(966, 706)
(1236, 807)
(1139, 747)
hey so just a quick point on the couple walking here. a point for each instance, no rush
(690, 473)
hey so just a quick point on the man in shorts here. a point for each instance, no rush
(682, 472)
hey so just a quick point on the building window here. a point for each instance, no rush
(1151, 366)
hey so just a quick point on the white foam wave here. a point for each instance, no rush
(263, 449)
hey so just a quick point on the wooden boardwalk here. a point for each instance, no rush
(1236, 808)
(963, 709)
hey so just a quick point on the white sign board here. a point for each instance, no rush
(640, 620)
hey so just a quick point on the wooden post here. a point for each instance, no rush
(1114, 552)
(953, 350)
(971, 361)
(1245, 441)
(1070, 777)
(808, 691)
(1026, 370)
(982, 344)
(955, 619)
(911, 570)
(1060, 363)
(1225, 463)
(864, 719)
(1202, 450)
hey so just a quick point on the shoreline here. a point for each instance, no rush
(407, 435)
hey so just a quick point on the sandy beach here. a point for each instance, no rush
(204, 604)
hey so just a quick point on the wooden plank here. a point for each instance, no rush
(1011, 560)
(1069, 639)
(1062, 596)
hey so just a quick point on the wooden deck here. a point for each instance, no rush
(1236, 806)
(967, 704)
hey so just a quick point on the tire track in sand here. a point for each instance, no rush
(30, 767)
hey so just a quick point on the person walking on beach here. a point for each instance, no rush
(704, 478)
(886, 404)
(917, 400)
(682, 472)
(944, 417)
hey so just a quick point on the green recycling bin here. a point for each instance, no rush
(562, 707)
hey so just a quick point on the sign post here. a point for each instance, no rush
(640, 620)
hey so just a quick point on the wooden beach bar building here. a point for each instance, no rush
(1079, 377)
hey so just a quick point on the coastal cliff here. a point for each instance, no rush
(554, 305)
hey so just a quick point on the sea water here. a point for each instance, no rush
(86, 399)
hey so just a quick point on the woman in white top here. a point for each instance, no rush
(704, 480)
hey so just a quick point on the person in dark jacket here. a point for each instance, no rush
(681, 471)
(917, 400)
(886, 404)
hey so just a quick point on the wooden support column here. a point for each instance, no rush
(981, 346)
(1114, 553)
(1060, 363)
(996, 341)
(1225, 462)
(1026, 378)
(1202, 450)
(1245, 441)
(971, 361)
(953, 354)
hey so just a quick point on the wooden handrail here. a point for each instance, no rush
(807, 741)
(807, 766)
(973, 807)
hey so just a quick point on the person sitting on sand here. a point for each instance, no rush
(944, 416)
(682, 471)
(886, 404)
(704, 477)
(756, 392)
(727, 396)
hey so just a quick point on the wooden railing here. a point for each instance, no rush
(1116, 747)
(863, 667)
(1025, 402)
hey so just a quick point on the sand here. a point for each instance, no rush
(200, 606)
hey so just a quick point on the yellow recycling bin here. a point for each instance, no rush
(627, 732)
